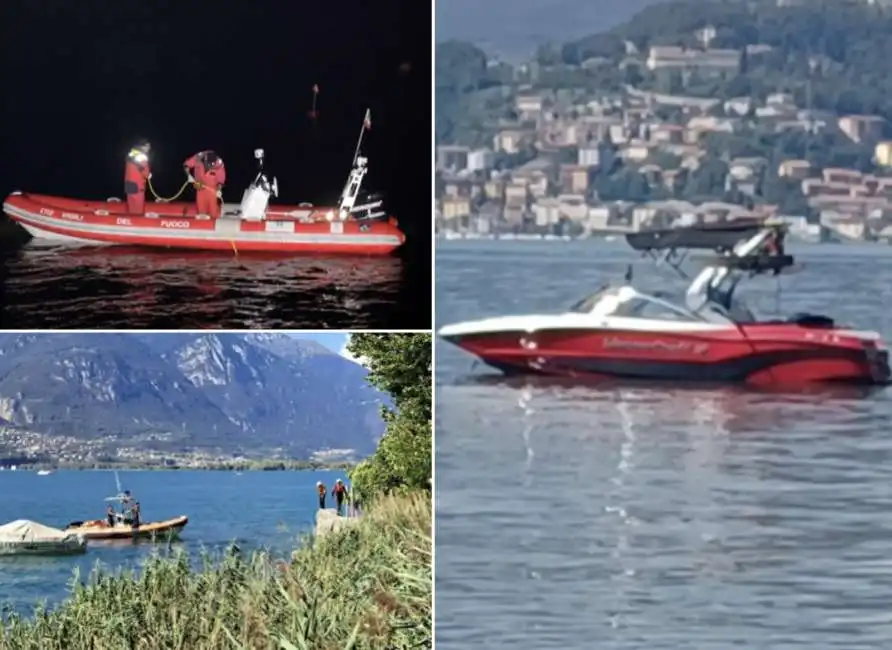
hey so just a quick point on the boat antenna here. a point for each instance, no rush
(366, 126)
(313, 112)
(629, 274)
(358, 170)
(118, 483)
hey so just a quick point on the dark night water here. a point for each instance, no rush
(130, 288)
(645, 517)
(254, 509)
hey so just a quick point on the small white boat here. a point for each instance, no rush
(24, 537)
(45, 472)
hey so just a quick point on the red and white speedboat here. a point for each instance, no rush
(252, 225)
(620, 332)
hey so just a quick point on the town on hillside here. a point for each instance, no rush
(573, 162)
(23, 448)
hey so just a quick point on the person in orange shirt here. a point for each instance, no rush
(321, 489)
(339, 492)
(136, 173)
(208, 173)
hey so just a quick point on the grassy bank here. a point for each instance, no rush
(368, 586)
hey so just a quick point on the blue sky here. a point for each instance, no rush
(333, 341)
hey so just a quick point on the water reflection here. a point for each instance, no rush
(131, 287)
(634, 516)
(641, 516)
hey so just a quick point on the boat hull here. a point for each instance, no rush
(287, 229)
(98, 529)
(73, 546)
(757, 354)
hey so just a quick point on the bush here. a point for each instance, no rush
(367, 586)
(399, 364)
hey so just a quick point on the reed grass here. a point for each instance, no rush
(367, 586)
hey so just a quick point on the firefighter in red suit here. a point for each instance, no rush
(136, 172)
(207, 172)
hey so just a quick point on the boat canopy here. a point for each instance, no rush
(722, 236)
(24, 530)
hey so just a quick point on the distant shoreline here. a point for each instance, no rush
(253, 466)
(602, 237)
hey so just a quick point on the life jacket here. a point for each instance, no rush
(321, 490)
(137, 168)
(340, 489)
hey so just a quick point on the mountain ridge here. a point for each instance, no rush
(233, 394)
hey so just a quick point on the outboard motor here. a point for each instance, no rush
(256, 198)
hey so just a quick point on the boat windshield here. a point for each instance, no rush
(588, 303)
(613, 301)
(654, 308)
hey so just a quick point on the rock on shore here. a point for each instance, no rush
(328, 521)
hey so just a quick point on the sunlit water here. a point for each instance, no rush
(636, 516)
(131, 288)
(252, 509)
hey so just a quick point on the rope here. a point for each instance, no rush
(161, 199)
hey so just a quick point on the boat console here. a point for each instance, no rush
(347, 204)
(255, 199)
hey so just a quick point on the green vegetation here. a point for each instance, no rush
(470, 96)
(399, 364)
(368, 586)
(473, 95)
(842, 47)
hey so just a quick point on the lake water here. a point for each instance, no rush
(253, 509)
(645, 517)
(50, 287)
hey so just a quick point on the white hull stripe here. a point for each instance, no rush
(77, 229)
(577, 321)
(37, 233)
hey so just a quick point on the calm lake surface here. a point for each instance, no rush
(645, 517)
(53, 287)
(253, 509)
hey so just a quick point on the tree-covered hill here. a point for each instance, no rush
(842, 46)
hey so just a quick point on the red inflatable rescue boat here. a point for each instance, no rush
(252, 225)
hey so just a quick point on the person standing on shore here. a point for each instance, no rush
(321, 489)
(339, 492)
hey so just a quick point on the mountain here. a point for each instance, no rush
(513, 29)
(248, 394)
